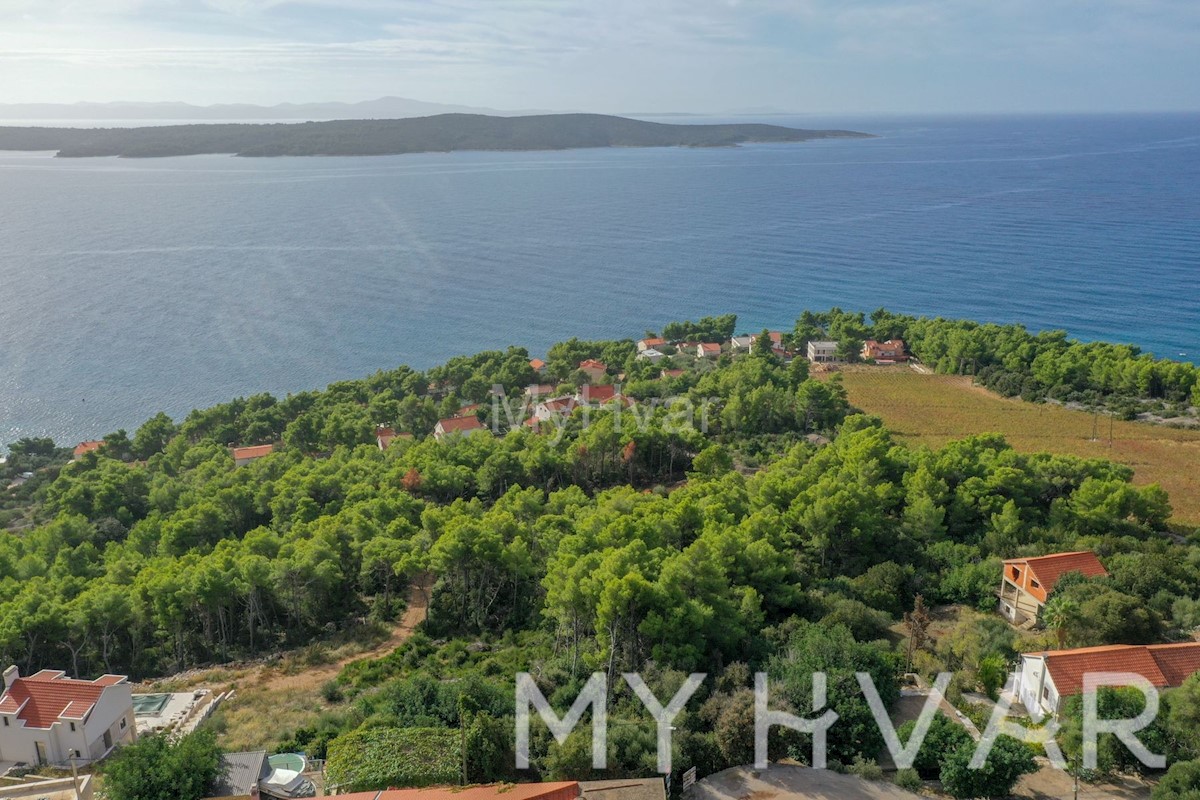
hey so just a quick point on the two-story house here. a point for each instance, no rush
(49, 718)
(1027, 582)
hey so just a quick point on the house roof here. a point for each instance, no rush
(538, 389)
(564, 404)
(710, 347)
(1178, 662)
(592, 363)
(823, 343)
(241, 773)
(672, 373)
(86, 447)
(1164, 665)
(537, 363)
(1048, 569)
(892, 348)
(257, 451)
(653, 341)
(497, 791)
(598, 394)
(468, 423)
(47, 696)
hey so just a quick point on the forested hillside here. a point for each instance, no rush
(755, 521)
(435, 134)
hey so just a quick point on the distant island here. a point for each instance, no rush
(440, 133)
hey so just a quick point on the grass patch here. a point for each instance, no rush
(934, 409)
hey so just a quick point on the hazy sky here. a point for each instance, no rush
(612, 55)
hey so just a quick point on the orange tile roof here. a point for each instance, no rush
(42, 699)
(1178, 662)
(537, 363)
(592, 363)
(499, 791)
(452, 424)
(1048, 569)
(710, 347)
(257, 451)
(653, 341)
(86, 447)
(1164, 665)
(598, 394)
(560, 404)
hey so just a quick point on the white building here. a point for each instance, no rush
(1047, 678)
(822, 352)
(652, 355)
(49, 718)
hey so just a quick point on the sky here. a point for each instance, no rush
(705, 56)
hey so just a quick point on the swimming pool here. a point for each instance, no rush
(149, 705)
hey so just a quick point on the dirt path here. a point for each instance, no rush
(414, 614)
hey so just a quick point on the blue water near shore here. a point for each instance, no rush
(129, 287)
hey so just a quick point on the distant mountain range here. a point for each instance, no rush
(383, 108)
(440, 133)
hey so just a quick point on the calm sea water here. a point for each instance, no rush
(129, 287)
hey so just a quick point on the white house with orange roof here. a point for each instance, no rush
(594, 369)
(1026, 583)
(1047, 678)
(49, 718)
(651, 343)
(458, 426)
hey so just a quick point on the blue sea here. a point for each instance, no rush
(133, 286)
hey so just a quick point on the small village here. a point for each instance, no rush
(54, 720)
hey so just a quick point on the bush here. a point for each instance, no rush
(375, 758)
(154, 767)
(331, 692)
(866, 769)
(909, 780)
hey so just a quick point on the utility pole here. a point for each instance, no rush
(75, 779)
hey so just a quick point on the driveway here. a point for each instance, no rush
(782, 781)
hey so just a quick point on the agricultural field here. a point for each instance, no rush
(933, 409)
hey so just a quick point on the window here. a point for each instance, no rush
(122, 723)
(72, 727)
(1035, 584)
(6, 722)
(1016, 573)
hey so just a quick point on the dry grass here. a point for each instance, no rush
(275, 698)
(934, 409)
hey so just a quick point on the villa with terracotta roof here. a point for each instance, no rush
(463, 426)
(890, 352)
(652, 343)
(1026, 583)
(384, 436)
(593, 369)
(708, 350)
(244, 455)
(537, 365)
(49, 718)
(1046, 678)
(83, 448)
